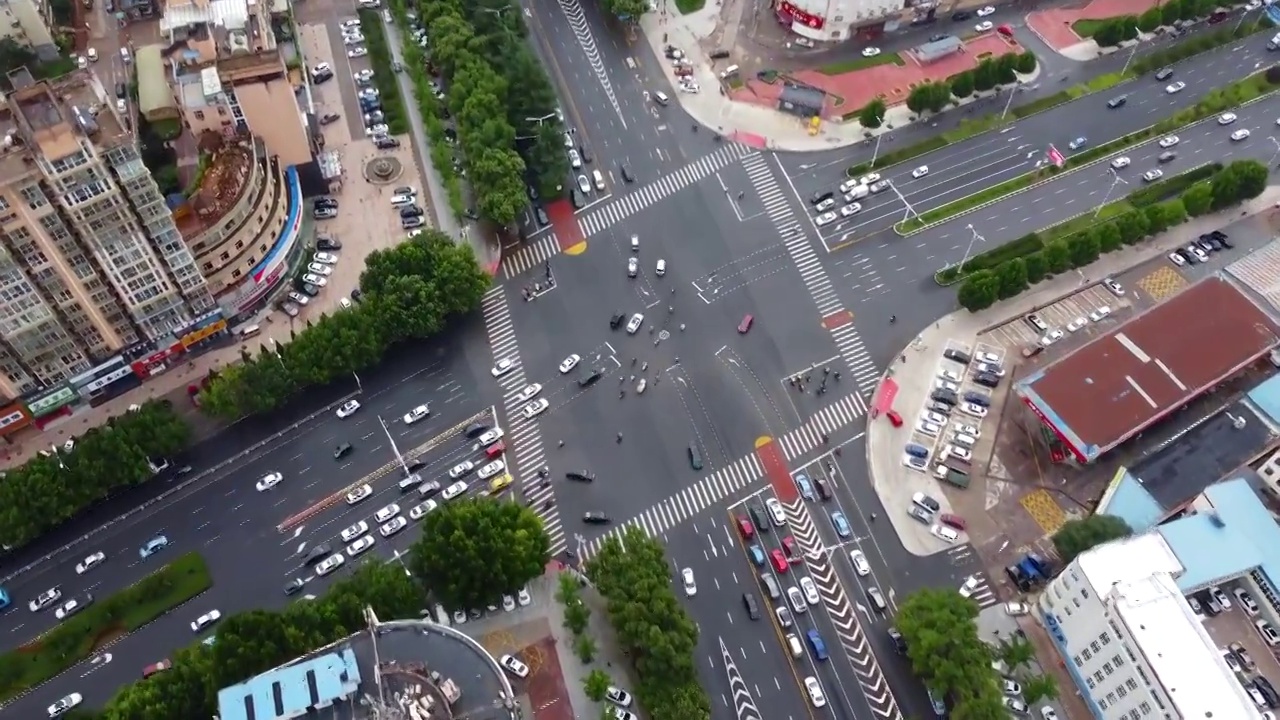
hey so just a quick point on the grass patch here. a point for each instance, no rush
(1087, 28)
(689, 6)
(108, 618)
(966, 204)
(861, 63)
(1042, 104)
(384, 78)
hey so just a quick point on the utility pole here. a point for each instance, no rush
(969, 250)
(876, 153)
(399, 458)
(1115, 180)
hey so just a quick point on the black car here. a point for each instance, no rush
(824, 490)
(899, 643)
(329, 118)
(719, 54)
(310, 290)
(695, 457)
(626, 173)
(978, 398)
(590, 378)
(585, 152)
(1116, 102)
(820, 196)
(411, 211)
(961, 16)
(414, 467)
(940, 408)
(1164, 74)
(1222, 238)
(595, 518)
(1267, 690)
(1015, 575)
(753, 608)
(1166, 156)
(121, 91)
(944, 396)
(987, 379)
(385, 143)
(294, 587)
(541, 216)
(758, 518)
(342, 451)
(326, 202)
(616, 321)
(956, 356)
(575, 196)
(324, 242)
(475, 430)
(318, 553)
(582, 476)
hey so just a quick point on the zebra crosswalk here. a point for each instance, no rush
(1260, 272)
(530, 255)
(777, 208)
(689, 502)
(826, 421)
(615, 211)
(524, 437)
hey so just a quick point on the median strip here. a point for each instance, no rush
(1250, 89)
(102, 622)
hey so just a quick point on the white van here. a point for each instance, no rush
(595, 175)
(125, 56)
(731, 70)
(965, 440)
(793, 643)
(661, 98)
(249, 331)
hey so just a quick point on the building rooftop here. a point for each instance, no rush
(1174, 642)
(1107, 391)
(1231, 532)
(225, 180)
(51, 115)
(1119, 561)
(290, 692)
(1265, 396)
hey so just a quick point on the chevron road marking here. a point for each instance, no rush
(869, 675)
(743, 704)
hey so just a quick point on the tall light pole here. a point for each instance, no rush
(1276, 143)
(540, 120)
(876, 152)
(910, 212)
(358, 383)
(969, 250)
(1240, 22)
(1012, 91)
(399, 458)
(1132, 52)
(1115, 180)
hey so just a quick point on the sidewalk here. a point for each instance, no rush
(608, 657)
(915, 372)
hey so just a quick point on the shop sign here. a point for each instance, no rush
(106, 380)
(52, 401)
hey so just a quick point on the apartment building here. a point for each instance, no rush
(91, 262)
(21, 22)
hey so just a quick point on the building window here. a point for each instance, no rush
(1105, 637)
(1084, 592)
(1118, 661)
(1145, 707)
(222, 110)
(1111, 698)
(4, 204)
(1097, 675)
(34, 196)
(1095, 646)
(1076, 601)
(1120, 691)
(1102, 704)
(1131, 684)
(1086, 654)
(199, 114)
(1106, 668)
(1077, 661)
(1133, 715)
(1089, 681)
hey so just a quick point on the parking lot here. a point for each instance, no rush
(1233, 629)
(1074, 317)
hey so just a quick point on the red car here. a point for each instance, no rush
(950, 520)
(154, 668)
(745, 527)
(1005, 30)
(894, 418)
(745, 325)
(495, 450)
(779, 560)
(789, 544)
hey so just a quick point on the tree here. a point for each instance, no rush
(1083, 248)
(946, 652)
(1198, 199)
(585, 648)
(498, 179)
(962, 84)
(1016, 652)
(1241, 180)
(1151, 19)
(1039, 687)
(625, 9)
(918, 100)
(1037, 268)
(472, 552)
(1077, 536)
(1007, 68)
(1108, 236)
(984, 76)
(1057, 256)
(872, 115)
(652, 626)
(979, 291)
(596, 684)
(1027, 63)
(1011, 278)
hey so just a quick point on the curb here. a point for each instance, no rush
(1069, 171)
(171, 491)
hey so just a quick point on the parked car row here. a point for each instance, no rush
(1200, 249)
(957, 436)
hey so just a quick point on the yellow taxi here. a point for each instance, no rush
(500, 483)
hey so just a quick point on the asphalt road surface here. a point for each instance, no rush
(972, 165)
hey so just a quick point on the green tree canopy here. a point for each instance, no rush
(651, 625)
(1077, 536)
(474, 551)
(946, 653)
(872, 115)
(51, 489)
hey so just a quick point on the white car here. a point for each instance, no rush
(971, 430)
(355, 531)
(461, 469)
(348, 409)
(851, 209)
(660, 268)
(317, 280)
(944, 385)
(869, 52)
(1051, 337)
(825, 205)
(329, 564)
(1152, 175)
(920, 172)
(1176, 87)
(1246, 601)
(825, 218)
(1177, 259)
(860, 564)
(569, 363)
(1114, 287)
(535, 408)
(973, 410)
(944, 533)
(205, 620)
(927, 428)
(503, 366)
(90, 562)
(491, 436)
(950, 375)
(269, 481)
(45, 599)
(575, 160)
(1099, 314)
(690, 87)
(357, 52)
(393, 527)
(958, 452)
(1221, 597)
(321, 270)
(1120, 163)
(352, 38)
(633, 325)
(65, 704)
(933, 417)
(416, 414)
(1016, 609)
(584, 184)
(72, 606)
(1226, 118)
(633, 267)
(796, 598)
(491, 469)
(454, 490)
(364, 492)
(514, 666)
(987, 357)
(523, 598)
(618, 696)
(983, 26)
(990, 369)
(869, 179)
(1078, 323)
(985, 11)
(1240, 134)
(690, 587)
(810, 590)
(508, 603)
(387, 513)
(969, 587)
(419, 511)
(325, 258)
(814, 688)
(529, 392)
(360, 546)
(1169, 141)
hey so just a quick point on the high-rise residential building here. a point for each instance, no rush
(91, 261)
(21, 22)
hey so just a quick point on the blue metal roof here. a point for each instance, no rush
(290, 692)
(1234, 537)
(1267, 397)
(1131, 502)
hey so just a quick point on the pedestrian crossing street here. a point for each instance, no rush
(615, 211)
(981, 593)
(523, 437)
(826, 421)
(531, 255)
(778, 209)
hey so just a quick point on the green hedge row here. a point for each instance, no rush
(1164, 189)
(383, 76)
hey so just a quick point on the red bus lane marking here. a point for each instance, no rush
(565, 224)
(837, 319)
(775, 468)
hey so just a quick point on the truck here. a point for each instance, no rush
(857, 192)
(951, 476)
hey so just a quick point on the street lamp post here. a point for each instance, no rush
(910, 211)
(1012, 91)
(275, 348)
(1271, 163)
(359, 385)
(1240, 22)
(876, 152)
(399, 458)
(969, 250)
(1115, 180)
(540, 120)
(1132, 53)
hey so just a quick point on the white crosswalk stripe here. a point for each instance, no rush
(826, 421)
(689, 502)
(1260, 272)
(530, 256)
(524, 438)
(778, 208)
(982, 593)
(616, 211)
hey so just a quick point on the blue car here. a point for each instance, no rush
(757, 555)
(153, 546)
(840, 523)
(806, 487)
(4, 599)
